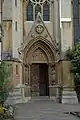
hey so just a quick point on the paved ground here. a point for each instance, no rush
(45, 110)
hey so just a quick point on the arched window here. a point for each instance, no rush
(36, 6)
(46, 12)
(37, 10)
(29, 12)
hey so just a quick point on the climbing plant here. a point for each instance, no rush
(5, 76)
(74, 56)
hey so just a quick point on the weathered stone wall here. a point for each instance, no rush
(64, 76)
(17, 73)
(7, 38)
(59, 73)
(7, 10)
(66, 25)
(17, 35)
(67, 78)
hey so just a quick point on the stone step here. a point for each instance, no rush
(15, 97)
(41, 98)
(69, 97)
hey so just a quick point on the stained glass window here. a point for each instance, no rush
(29, 12)
(36, 6)
(46, 12)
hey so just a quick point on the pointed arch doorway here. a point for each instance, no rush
(39, 79)
(39, 57)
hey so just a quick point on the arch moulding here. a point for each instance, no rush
(40, 50)
(39, 47)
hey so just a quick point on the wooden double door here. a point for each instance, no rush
(39, 79)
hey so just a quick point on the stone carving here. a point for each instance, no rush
(33, 35)
(26, 76)
(20, 55)
(52, 74)
(39, 29)
(20, 51)
(38, 55)
(46, 36)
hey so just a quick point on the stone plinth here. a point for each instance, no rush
(18, 95)
(27, 91)
(69, 97)
(54, 92)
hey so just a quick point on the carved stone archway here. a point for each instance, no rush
(40, 52)
(46, 46)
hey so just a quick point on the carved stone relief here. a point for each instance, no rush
(52, 74)
(20, 51)
(39, 55)
(34, 69)
(26, 76)
(39, 29)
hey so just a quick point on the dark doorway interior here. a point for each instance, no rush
(39, 77)
(43, 83)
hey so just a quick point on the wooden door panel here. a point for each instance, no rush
(34, 73)
(39, 79)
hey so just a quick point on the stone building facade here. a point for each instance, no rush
(37, 34)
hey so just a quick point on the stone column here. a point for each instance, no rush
(21, 74)
(27, 81)
(68, 94)
(67, 78)
(56, 20)
(52, 81)
(26, 75)
(29, 74)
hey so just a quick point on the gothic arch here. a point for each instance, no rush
(37, 55)
(42, 44)
(39, 51)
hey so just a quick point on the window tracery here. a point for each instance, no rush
(36, 6)
(37, 10)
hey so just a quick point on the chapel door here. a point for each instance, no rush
(43, 83)
(34, 75)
